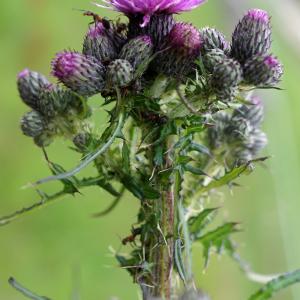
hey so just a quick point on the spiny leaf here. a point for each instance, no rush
(227, 178)
(101, 182)
(276, 285)
(141, 190)
(27, 293)
(70, 184)
(194, 170)
(199, 148)
(216, 239)
(198, 223)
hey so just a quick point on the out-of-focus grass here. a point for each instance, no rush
(43, 250)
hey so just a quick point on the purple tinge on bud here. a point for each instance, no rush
(258, 15)
(99, 44)
(30, 85)
(157, 28)
(180, 50)
(148, 8)
(263, 71)
(83, 74)
(252, 36)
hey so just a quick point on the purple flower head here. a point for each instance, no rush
(81, 73)
(258, 15)
(151, 7)
(186, 37)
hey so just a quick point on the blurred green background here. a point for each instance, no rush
(60, 250)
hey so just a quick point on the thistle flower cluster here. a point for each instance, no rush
(185, 114)
(56, 111)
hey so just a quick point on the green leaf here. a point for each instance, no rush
(198, 223)
(70, 184)
(200, 148)
(101, 182)
(158, 157)
(140, 190)
(126, 157)
(227, 178)
(183, 160)
(194, 170)
(276, 285)
(178, 260)
(216, 239)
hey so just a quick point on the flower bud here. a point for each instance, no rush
(82, 140)
(83, 74)
(119, 74)
(30, 84)
(55, 100)
(158, 27)
(213, 39)
(33, 124)
(137, 51)
(253, 112)
(225, 79)
(252, 36)
(263, 71)
(213, 58)
(180, 50)
(98, 43)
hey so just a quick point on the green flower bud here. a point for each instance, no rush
(227, 74)
(213, 40)
(213, 58)
(137, 51)
(33, 124)
(119, 74)
(56, 100)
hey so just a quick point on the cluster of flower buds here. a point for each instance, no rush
(247, 62)
(55, 110)
(237, 137)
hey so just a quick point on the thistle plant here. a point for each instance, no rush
(184, 122)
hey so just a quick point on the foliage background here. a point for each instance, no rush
(61, 251)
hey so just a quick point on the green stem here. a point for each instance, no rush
(43, 202)
(27, 293)
(164, 251)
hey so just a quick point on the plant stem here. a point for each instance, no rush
(163, 257)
